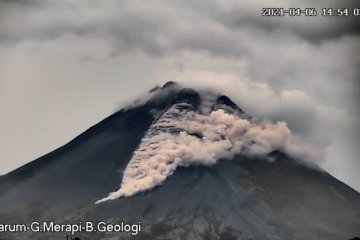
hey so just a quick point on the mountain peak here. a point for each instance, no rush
(164, 160)
(169, 84)
(172, 92)
(188, 95)
(224, 100)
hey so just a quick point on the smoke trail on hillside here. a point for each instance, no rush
(184, 137)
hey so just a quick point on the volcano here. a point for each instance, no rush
(187, 165)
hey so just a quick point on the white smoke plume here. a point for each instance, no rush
(183, 137)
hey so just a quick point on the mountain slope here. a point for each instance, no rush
(245, 197)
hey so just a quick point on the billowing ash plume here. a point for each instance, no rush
(183, 136)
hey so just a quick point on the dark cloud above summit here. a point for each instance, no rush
(160, 27)
(287, 48)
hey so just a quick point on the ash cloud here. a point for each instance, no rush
(183, 137)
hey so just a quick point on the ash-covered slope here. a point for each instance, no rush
(257, 190)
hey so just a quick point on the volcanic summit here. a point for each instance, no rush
(187, 164)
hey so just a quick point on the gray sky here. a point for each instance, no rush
(65, 65)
